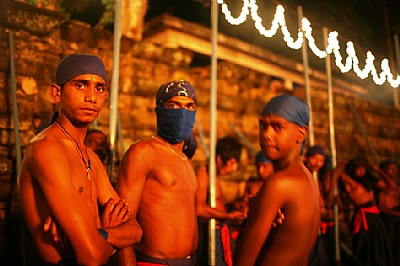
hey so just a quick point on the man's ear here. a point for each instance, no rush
(55, 92)
(302, 134)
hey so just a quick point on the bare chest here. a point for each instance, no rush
(174, 176)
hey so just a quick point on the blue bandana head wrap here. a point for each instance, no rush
(79, 64)
(260, 158)
(316, 149)
(175, 88)
(292, 108)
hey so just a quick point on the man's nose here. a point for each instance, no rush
(91, 95)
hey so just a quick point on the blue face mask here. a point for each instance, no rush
(174, 124)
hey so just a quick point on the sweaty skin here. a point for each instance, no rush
(54, 184)
(293, 190)
(158, 182)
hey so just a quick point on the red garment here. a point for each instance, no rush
(361, 219)
(140, 263)
(325, 225)
(226, 243)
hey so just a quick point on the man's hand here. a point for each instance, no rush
(52, 227)
(237, 215)
(278, 218)
(115, 212)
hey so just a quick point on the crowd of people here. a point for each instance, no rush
(159, 210)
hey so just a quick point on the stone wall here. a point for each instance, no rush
(143, 68)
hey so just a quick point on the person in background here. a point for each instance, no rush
(264, 169)
(158, 182)
(283, 131)
(369, 238)
(228, 152)
(97, 141)
(389, 204)
(62, 182)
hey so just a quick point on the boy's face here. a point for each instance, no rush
(81, 98)
(392, 170)
(315, 162)
(278, 136)
(97, 141)
(229, 167)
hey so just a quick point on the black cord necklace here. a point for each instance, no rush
(68, 135)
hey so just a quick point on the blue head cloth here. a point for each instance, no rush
(175, 88)
(316, 149)
(292, 108)
(79, 64)
(47, 123)
(260, 158)
(386, 163)
(190, 146)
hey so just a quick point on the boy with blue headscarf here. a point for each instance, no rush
(283, 131)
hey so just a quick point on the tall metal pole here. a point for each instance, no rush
(397, 67)
(213, 126)
(306, 78)
(16, 136)
(332, 140)
(115, 84)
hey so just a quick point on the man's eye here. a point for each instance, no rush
(80, 85)
(191, 107)
(170, 105)
(100, 88)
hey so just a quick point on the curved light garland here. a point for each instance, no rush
(351, 61)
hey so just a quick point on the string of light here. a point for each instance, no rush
(333, 47)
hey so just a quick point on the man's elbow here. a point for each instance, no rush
(95, 256)
(137, 234)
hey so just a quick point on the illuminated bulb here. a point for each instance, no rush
(333, 47)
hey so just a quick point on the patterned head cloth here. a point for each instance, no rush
(175, 88)
(316, 149)
(79, 64)
(292, 108)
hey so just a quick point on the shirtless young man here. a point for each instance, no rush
(63, 181)
(368, 229)
(158, 182)
(228, 152)
(283, 131)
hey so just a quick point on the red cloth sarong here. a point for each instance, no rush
(361, 219)
(325, 225)
(226, 243)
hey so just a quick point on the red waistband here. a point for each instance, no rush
(361, 220)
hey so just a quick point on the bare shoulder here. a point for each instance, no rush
(46, 148)
(141, 150)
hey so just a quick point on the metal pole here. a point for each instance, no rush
(397, 68)
(306, 78)
(213, 125)
(115, 84)
(332, 139)
(16, 137)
